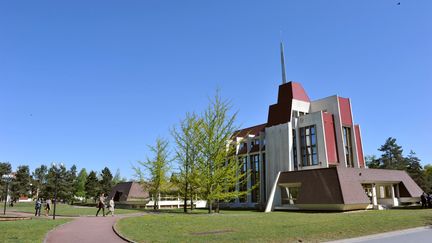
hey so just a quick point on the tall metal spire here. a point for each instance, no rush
(282, 62)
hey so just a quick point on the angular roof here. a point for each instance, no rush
(129, 191)
(280, 112)
(255, 130)
(339, 185)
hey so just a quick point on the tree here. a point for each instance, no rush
(157, 169)
(427, 173)
(415, 169)
(40, 179)
(81, 182)
(391, 157)
(20, 185)
(219, 171)
(92, 186)
(106, 183)
(5, 168)
(117, 178)
(71, 183)
(57, 180)
(372, 162)
(188, 139)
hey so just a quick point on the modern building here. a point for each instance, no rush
(308, 148)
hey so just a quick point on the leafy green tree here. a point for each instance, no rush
(427, 174)
(156, 168)
(81, 182)
(106, 182)
(219, 171)
(92, 186)
(188, 138)
(20, 185)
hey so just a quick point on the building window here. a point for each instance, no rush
(243, 183)
(295, 149)
(308, 142)
(263, 184)
(289, 195)
(255, 176)
(348, 146)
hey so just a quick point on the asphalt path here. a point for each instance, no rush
(415, 235)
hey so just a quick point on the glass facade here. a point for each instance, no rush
(294, 135)
(255, 176)
(348, 146)
(243, 184)
(308, 143)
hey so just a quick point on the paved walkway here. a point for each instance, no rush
(87, 229)
(415, 235)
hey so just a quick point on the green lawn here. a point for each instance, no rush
(33, 230)
(66, 210)
(274, 227)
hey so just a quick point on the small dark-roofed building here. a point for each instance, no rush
(129, 192)
(340, 189)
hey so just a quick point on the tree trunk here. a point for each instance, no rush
(209, 206)
(185, 200)
(192, 202)
(217, 206)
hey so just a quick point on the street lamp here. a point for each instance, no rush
(57, 168)
(7, 179)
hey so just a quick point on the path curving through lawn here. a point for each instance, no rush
(87, 229)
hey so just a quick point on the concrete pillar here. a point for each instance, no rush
(374, 197)
(395, 199)
(270, 201)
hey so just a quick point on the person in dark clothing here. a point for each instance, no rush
(38, 206)
(101, 204)
(423, 200)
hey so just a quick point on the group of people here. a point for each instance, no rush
(426, 200)
(101, 205)
(39, 204)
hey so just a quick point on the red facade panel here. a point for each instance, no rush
(345, 111)
(330, 138)
(359, 146)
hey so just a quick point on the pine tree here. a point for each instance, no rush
(415, 169)
(391, 157)
(117, 178)
(71, 183)
(5, 169)
(20, 185)
(92, 186)
(40, 179)
(106, 183)
(157, 168)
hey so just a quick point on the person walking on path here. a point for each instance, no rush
(47, 207)
(38, 206)
(101, 205)
(111, 207)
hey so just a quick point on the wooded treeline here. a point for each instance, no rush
(71, 184)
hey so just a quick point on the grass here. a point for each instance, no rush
(269, 227)
(33, 230)
(66, 210)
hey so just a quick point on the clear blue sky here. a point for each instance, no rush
(92, 83)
